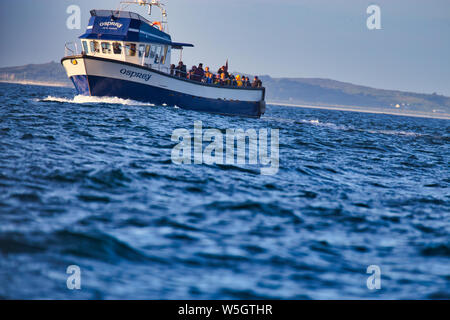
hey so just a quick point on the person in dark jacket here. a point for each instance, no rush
(233, 81)
(180, 70)
(256, 83)
(184, 71)
(199, 73)
(191, 75)
(244, 81)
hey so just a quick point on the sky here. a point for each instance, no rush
(280, 38)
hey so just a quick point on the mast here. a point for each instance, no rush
(150, 4)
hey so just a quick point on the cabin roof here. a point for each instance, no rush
(126, 26)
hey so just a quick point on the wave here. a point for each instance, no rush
(325, 124)
(80, 99)
(38, 83)
(314, 122)
(395, 133)
(346, 128)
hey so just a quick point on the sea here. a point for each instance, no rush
(92, 205)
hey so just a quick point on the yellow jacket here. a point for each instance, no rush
(239, 81)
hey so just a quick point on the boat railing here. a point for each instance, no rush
(157, 67)
(186, 75)
(71, 49)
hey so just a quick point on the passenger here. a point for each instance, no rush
(244, 81)
(210, 79)
(208, 76)
(191, 75)
(199, 73)
(239, 81)
(183, 70)
(247, 82)
(225, 70)
(207, 72)
(180, 70)
(172, 69)
(223, 79)
(233, 81)
(256, 83)
(217, 79)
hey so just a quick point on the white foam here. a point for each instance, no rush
(334, 126)
(324, 124)
(343, 127)
(37, 83)
(310, 121)
(80, 99)
(395, 133)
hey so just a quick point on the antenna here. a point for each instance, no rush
(150, 4)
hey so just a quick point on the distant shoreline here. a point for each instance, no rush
(430, 115)
(37, 83)
(403, 113)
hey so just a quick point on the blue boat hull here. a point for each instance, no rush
(109, 87)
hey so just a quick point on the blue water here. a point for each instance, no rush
(92, 184)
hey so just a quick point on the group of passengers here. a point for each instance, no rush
(222, 77)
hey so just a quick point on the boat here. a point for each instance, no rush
(127, 56)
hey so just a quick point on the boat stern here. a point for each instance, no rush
(262, 107)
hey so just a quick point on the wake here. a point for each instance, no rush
(80, 99)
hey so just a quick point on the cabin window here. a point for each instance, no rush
(141, 50)
(130, 49)
(157, 54)
(147, 51)
(85, 46)
(117, 48)
(106, 48)
(164, 54)
(95, 47)
(153, 52)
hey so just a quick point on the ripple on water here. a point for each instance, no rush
(91, 182)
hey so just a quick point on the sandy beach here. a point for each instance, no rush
(368, 110)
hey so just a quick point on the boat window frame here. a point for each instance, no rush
(118, 50)
(164, 51)
(95, 47)
(141, 50)
(129, 50)
(85, 46)
(147, 50)
(106, 46)
(152, 52)
(158, 54)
